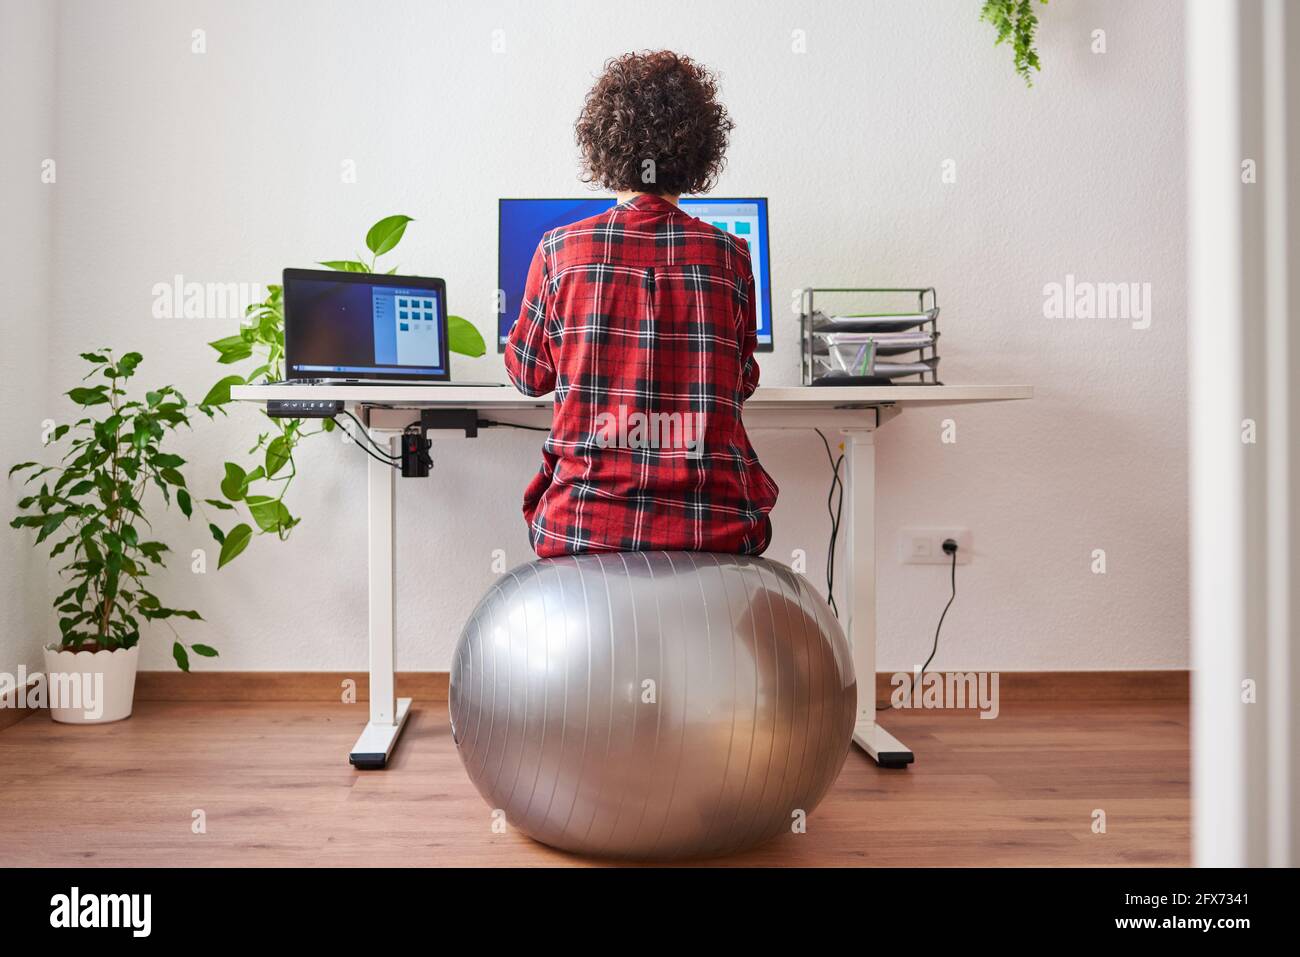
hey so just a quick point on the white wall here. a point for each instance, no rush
(225, 166)
(27, 42)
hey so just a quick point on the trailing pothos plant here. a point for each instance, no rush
(93, 505)
(254, 489)
(1015, 20)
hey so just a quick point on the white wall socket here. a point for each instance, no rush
(924, 546)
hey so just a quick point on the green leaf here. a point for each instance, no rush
(153, 551)
(269, 513)
(204, 650)
(156, 613)
(237, 354)
(219, 394)
(344, 265)
(52, 522)
(277, 455)
(235, 484)
(217, 503)
(172, 477)
(464, 338)
(84, 396)
(169, 414)
(23, 465)
(228, 343)
(45, 469)
(93, 357)
(182, 659)
(165, 460)
(237, 540)
(183, 500)
(126, 365)
(217, 533)
(386, 234)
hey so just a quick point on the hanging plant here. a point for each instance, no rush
(1016, 21)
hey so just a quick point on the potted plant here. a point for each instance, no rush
(92, 506)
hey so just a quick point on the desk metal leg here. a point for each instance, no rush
(859, 594)
(387, 712)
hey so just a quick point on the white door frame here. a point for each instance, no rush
(1244, 397)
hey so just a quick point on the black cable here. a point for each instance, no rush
(390, 462)
(937, 629)
(835, 527)
(835, 511)
(490, 423)
(951, 599)
(365, 432)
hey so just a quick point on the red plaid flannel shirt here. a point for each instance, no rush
(641, 320)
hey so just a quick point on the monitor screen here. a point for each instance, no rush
(524, 221)
(361, 326)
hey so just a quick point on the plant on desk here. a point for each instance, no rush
(255, 491)
(93, 504)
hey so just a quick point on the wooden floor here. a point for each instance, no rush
(274, 786)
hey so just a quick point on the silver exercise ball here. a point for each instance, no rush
(652, 704)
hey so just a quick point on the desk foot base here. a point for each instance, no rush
(885, 749)
(375, 746)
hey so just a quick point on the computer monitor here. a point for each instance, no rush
(340, 325)
(524, 221)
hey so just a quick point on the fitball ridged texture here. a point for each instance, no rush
(653, 704)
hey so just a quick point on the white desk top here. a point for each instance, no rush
(505, 397)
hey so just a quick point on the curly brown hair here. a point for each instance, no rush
(652, 123)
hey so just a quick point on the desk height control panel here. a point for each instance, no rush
(303, 408)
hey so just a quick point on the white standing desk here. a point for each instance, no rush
(855, 412)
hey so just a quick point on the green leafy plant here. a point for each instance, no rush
(1015, 20)
(255, 490)
(93, 504)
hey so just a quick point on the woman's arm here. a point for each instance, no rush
(748, 335)
(528, 349)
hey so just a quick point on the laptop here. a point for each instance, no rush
(343, 327)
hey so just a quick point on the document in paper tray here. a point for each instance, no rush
(890, 369)
(871, 323)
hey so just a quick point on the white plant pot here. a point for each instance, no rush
(90, 687)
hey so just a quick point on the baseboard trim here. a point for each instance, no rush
(280, 685)
(433, 685)
(1022, 686)
(10, 713)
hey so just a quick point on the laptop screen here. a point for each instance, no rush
(363, 326)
